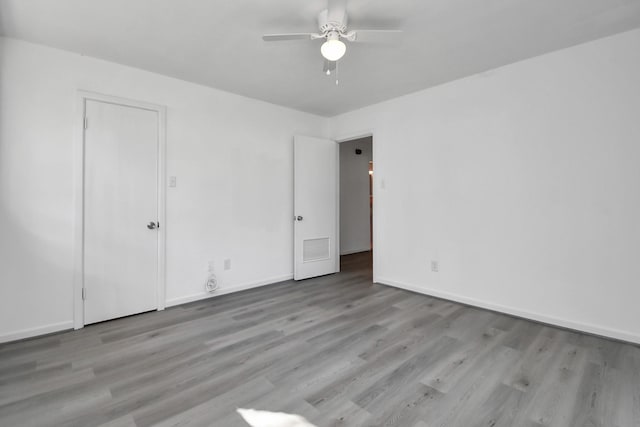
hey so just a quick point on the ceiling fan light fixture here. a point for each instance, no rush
(333, 49)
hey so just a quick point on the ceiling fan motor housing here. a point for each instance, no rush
(327, 26)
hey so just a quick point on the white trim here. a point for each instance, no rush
(78, 217)
(550, 320)
(78, 238)
(162, 206)
(242, 287)
(336, 246)
(353, 136)
(37, 331)
(374, 208)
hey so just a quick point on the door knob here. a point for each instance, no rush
(152, 225)
(299, 218)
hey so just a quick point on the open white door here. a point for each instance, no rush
(315, 207)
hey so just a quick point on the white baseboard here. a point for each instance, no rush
(33, 332)
(68, 325)
(563, 323)
(223, 291)
(355, 251)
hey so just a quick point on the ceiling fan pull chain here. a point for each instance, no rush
(337, 73)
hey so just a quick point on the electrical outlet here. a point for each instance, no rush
(227, 264)
(434, 266)
(173, 181)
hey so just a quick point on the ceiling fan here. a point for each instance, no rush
(332, 24)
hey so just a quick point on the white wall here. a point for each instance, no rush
(354, 196)
(523, 182)
(232, 157)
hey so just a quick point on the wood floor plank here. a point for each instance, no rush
(339, 350)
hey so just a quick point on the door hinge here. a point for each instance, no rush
(84, 293)
(86, 122)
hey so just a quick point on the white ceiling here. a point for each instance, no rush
(218, 42)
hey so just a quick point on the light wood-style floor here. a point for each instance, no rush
(337, 349)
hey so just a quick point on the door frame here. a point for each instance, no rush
(82, 97)
(374, 232)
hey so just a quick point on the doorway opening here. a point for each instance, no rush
(356, 205)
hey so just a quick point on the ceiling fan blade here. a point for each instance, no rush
(337, 11)
(329, 65)
(374, 36)
(291, 36)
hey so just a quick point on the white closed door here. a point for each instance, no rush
(315, 207)
(120, 211)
